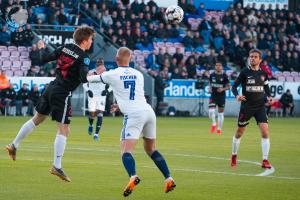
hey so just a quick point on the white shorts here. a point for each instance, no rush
(96, 103)
(140, 124)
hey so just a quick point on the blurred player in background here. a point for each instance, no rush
(255, 86)
(139, 118)
(218, 84)
(71, 70)
(96, 102)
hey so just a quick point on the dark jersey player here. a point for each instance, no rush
(71, 70)
(218, 84)
(254, 82)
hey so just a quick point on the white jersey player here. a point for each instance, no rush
(98, 100)
(139, 118)
(96, 105)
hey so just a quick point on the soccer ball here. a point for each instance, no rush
(174, 14)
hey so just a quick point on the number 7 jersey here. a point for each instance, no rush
(128, 88)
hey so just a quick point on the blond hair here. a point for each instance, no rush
(124, 55)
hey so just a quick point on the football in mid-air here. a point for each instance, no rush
(174, 14)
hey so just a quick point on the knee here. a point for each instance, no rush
(265, 134)
(125, 153)
(92, 114)
(149, 150)
(239, 132)
(63, 129)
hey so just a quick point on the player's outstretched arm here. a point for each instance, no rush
(93, 78)
(52, 56)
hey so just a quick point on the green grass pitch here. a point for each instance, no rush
(199, 162)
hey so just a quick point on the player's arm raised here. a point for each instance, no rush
(236, 83)
(104, 77)
(52, 56)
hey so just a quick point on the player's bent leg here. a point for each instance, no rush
(23, 132)
(127, 146)
(160, 162)
(265, 144)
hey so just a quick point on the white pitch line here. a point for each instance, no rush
(173, 169)
(266, 173)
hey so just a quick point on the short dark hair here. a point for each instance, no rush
(218, 61)
(256, 51)
(83, 33)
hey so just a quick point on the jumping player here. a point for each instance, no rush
(71, 70)
(255, 86)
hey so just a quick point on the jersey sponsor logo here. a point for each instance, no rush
(128, 135)
(86, 61)
(216, 85)
(69, 52)
(254, 88)
(251, 81)
(262, 77)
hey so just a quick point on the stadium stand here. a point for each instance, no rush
(204, 36)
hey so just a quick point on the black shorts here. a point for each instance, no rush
(56, 101)
(247, 112)
(217, 101)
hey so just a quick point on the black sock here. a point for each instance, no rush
(91, 121)
(98, 124)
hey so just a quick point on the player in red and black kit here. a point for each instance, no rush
(71, 70)
(255, 86)
(218, 84)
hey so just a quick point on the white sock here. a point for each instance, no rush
(59, 148)
(212, 115)
(220, 120)
(235, 145)
(265, 146)
(25, 130)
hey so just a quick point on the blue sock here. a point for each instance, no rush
(98, 124)
(160, 162)
(129, 163)
(91, 121)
